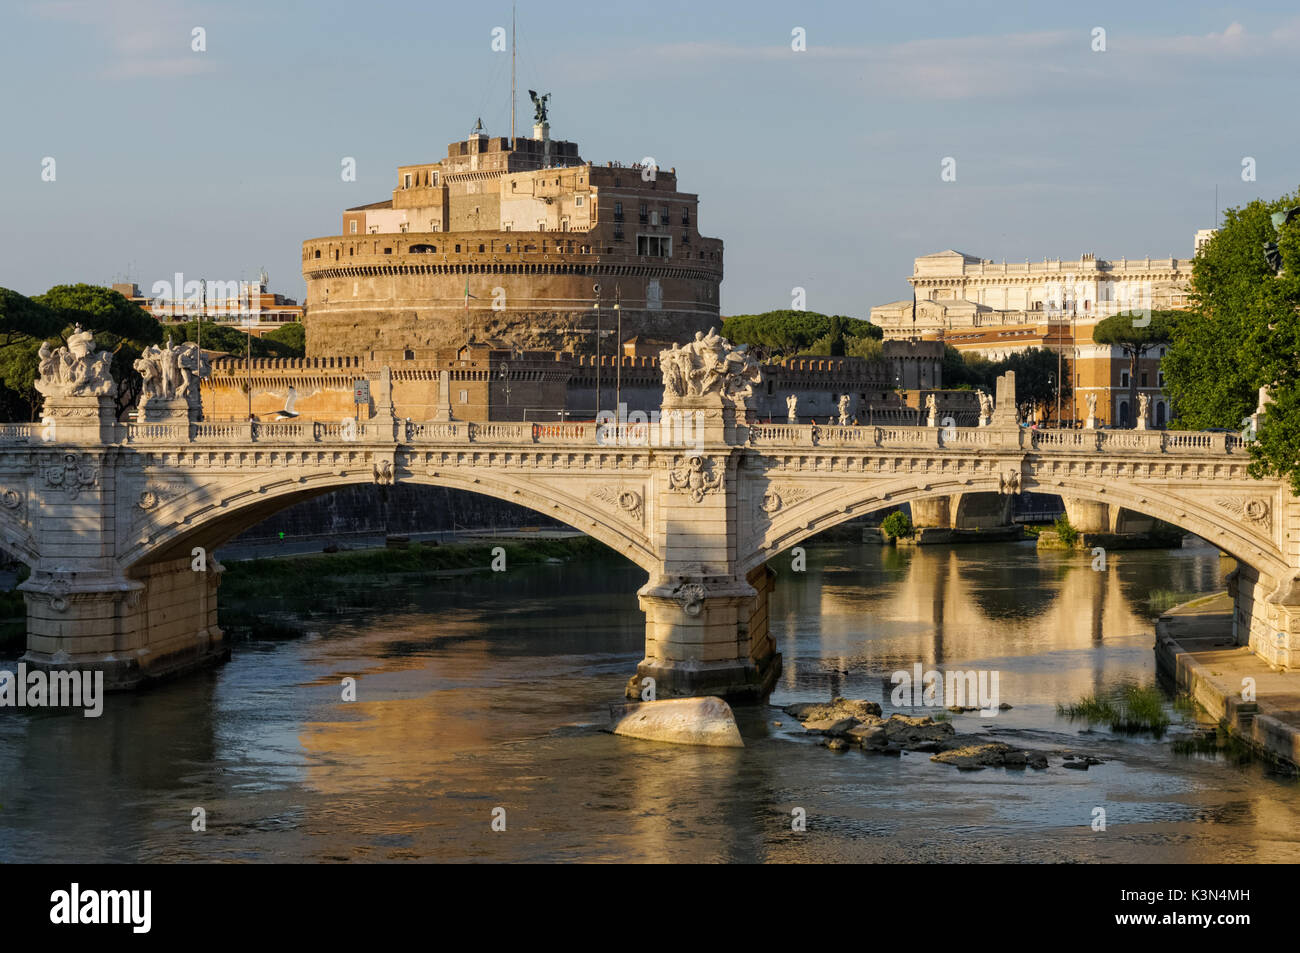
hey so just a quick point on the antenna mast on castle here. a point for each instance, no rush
(512, 76)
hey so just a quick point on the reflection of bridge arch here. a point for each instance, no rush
(209, 517)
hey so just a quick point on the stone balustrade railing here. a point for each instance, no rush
(764, 436)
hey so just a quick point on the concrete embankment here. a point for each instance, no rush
(1252, 701)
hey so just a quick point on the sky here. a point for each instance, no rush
(819, 168)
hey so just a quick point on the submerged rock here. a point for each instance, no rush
(909, 731)
(683, 721)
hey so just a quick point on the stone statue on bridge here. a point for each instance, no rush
(844, 408)
(75, 370)
(986, 407)
(932, 411)
(172, 377)
(1144, 407)
(708, 365)
(792, 409)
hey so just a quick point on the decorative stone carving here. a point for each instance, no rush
(844, 407)
(792, 408)
(690, 596)
(384, 473)
(932, 411)
(695, 476)
(75, 370)
(986, 407)
(708, 365)
(778, 497)
(1009, 483)
(626, 501)
(148, 500)
(11, 499)
(1144, 409)
(1254, 511)
(72, 475)
(171, 374)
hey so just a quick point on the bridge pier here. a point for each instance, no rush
(161, 623)
(708, 639)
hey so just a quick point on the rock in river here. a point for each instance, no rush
(682, 721)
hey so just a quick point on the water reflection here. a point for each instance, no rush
(479, 692)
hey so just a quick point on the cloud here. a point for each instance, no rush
(1010, 65)
(143, 38)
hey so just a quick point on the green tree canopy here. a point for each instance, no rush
(1243, 333)
(1135, 335)
(225, 337)
(778, 334)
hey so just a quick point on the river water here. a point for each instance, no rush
(487, 691)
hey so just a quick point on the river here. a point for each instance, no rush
(487, 691)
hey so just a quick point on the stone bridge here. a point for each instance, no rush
(110, 517)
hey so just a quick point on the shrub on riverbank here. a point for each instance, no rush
(1131, 709)
(1066, 533)
(897, 525)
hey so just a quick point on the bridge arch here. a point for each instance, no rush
(1219, 527)
(211, 516)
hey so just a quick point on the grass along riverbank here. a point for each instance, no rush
(254, 591)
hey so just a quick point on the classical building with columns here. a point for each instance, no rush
(998, 308)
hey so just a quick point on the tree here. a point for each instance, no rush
(24, 324)
(778, 334)
(223, 337)
(1036, 371)
(1243, 333)
(292, 336)
(1135, 339)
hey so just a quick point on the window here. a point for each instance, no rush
(655, 246)
(464, 397)
(406, 181)
(388, 251)
(1123, 378)
(402, 227)
(1144, 378)
(408, 355)
(1160, 379)
(663, 216)
(352, 226)
(644, 216)
(618, 211)
(578, 202)
(458, 249)
(480, 248)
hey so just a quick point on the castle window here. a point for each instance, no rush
(402, 227)
(458, 249)
(388, 251)
(578, 201)
(318, 253)
(644, 217)
(480, 248)
(406, 181)
(618, 211)
(352, 226)
(408, 355)
(464, 397)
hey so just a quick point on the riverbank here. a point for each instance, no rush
(1195, 651)
(252, 590)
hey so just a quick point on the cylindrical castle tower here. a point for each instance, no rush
(523, 245)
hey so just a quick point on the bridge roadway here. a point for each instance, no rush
(114, 519)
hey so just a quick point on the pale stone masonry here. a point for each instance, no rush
(109, 516)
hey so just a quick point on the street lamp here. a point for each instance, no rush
(596, 289)
(618, 353)
(504, 376)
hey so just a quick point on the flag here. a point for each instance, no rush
(468, 295)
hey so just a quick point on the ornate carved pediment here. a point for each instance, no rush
(690, 596)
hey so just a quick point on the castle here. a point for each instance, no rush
(520, 244)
